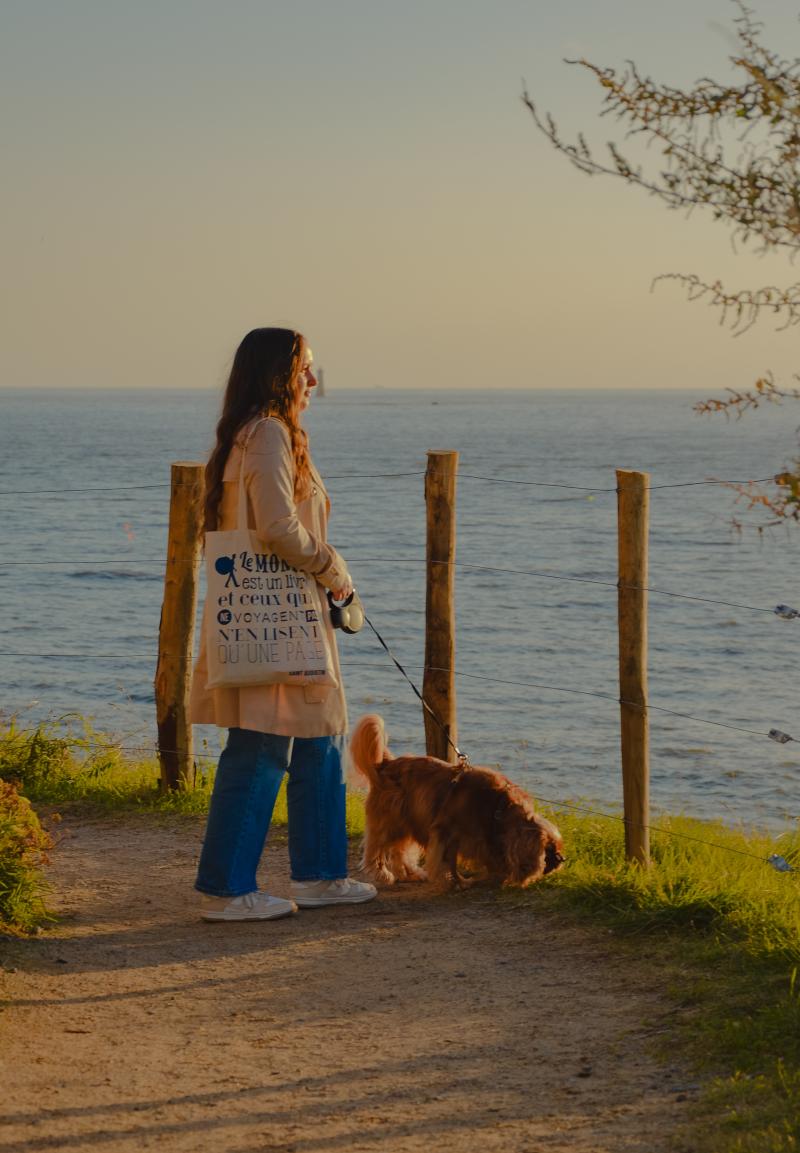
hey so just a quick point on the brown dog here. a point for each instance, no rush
(454, 812)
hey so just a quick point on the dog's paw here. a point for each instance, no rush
(414, 873)
(383, 876)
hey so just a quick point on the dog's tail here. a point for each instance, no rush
(368, 745)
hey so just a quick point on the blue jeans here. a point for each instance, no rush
(248, 778)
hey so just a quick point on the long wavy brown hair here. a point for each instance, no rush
(263, 381)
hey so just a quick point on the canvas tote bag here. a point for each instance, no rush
(264, 619)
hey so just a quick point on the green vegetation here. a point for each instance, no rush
(69, 762)
(715, 915)
(711, 916)
(23, 847)
(706, 878)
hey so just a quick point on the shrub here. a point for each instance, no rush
(23, 851)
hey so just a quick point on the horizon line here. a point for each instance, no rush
(360, 388)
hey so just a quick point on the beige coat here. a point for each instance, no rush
(297, 532)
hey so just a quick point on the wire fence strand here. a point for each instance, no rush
(538, 574)
(395, 475)
(658, 829)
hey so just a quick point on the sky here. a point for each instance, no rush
(176, 172)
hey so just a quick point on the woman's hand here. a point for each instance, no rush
(342, 593)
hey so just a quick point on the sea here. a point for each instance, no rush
(84, 494)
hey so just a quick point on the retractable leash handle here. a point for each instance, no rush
(347, 615)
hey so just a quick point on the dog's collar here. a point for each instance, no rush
(463, 767)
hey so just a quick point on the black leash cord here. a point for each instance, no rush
(462, 757)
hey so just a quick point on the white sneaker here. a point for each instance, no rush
(345, 891)
(249, 907)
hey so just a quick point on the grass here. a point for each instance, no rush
(721, 926)
(724, 928)
(706, 879)
(68, 762)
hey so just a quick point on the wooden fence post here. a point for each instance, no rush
(175, 635)
(439, 687)
(632, 521)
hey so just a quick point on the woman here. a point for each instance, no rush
(278, 727)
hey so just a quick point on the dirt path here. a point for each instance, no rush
(411, 1023)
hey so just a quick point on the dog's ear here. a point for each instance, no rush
(553, 856)
(548, 828)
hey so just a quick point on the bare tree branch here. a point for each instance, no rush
(733, 150)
